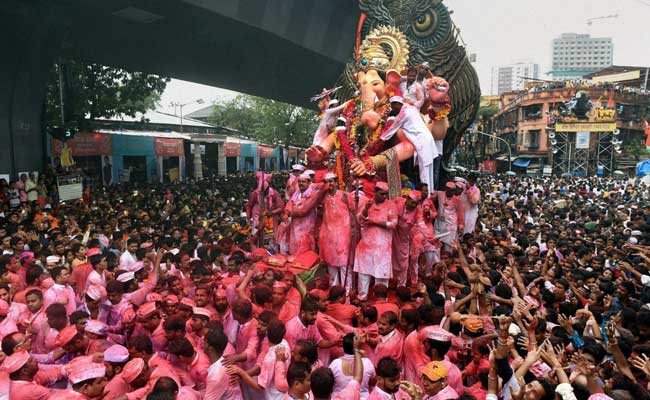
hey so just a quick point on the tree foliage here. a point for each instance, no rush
(95, 91)
(268, 121)
(485, 113)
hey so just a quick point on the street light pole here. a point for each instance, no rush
(198, 163)
(504, 141)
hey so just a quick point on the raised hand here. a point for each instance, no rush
(518, 394)
(532, 325)
(522, 341)
(583, 366)
(412, 389)
(642, 363)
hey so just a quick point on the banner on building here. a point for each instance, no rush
(264, 151)
(165, 147)
(489, 166)
(620, 77)
(231, 149)
(585, 127)
(582, 140)
(85, 144)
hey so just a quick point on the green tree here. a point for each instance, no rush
(94, 91)
(238, 113)
(269, 121)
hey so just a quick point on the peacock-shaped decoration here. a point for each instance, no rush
(430, 38)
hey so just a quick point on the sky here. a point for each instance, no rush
(502, 32)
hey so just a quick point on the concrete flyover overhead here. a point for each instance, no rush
(281, 49)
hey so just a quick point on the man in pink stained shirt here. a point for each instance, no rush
(96, 277)
(390, 340)
(335, 232)
(450, 222)
(303, 326)
(219, 385)
(408, 214)
(246, 338)
(381, 303)
(141, 347)
(87, 378)
(195, 362)
(367, 317)
(27, 382)
(151, 325)
(272, 379)
(36, 321)
(470, 199)
(281, 306)
(388, 381)
(436, 345)
(373, 257)
(292, 183)
(302, 211)
(7, 325)
(61, 292)
(266, 199)
(414, 345)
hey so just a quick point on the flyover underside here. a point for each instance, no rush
(187, 42)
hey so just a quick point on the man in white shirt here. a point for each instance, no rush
(218, 383)
(128, 257)
(412, 90)
(342, 368)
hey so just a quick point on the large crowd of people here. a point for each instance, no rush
(493, 287)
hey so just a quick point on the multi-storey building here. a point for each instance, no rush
(511, 77)
(575, 55)
(526, 118)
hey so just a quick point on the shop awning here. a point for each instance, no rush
(521, 162)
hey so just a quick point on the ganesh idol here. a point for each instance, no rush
(377, 129)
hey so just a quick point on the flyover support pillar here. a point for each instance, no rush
(28, 48)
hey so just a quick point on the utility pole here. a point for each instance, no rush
(504, 141)
(198, 163)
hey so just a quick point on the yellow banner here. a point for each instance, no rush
(605, 115)
(586, 127)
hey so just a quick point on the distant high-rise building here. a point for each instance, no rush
(511, 77)
(575, 55)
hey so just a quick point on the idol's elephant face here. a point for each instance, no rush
(371, 86)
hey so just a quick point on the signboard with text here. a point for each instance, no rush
(585, 127)
(85, 144)
(582, 140)
(165, 147)
(264, 151)
(231, 149)
(489, 166)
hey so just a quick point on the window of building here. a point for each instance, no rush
(531, 139)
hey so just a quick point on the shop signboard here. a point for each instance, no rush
(166, 147)
(231, 149)
(264, 151)
(85, 144)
